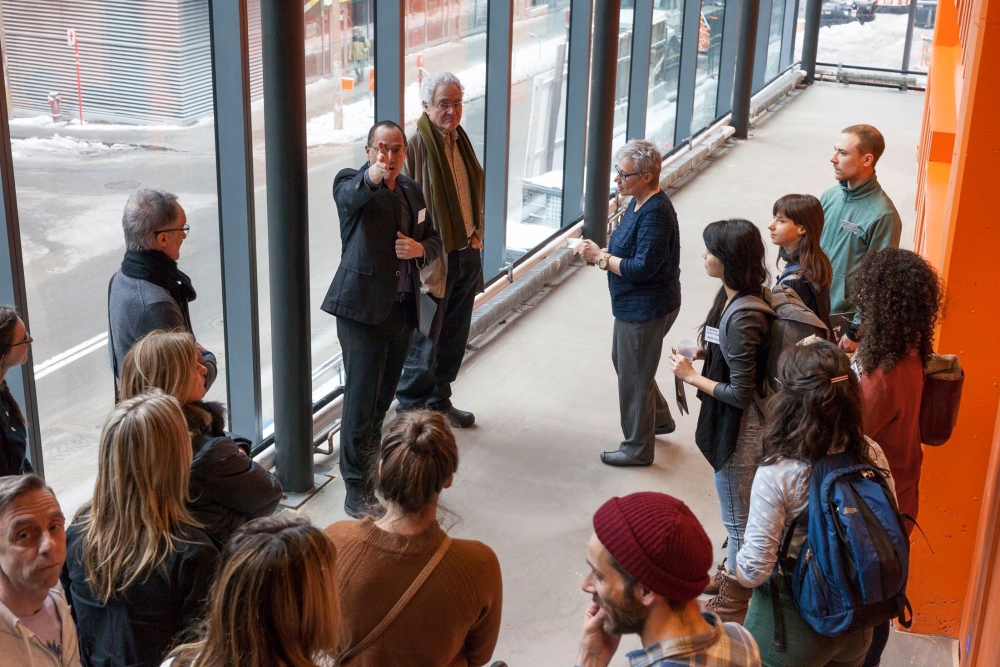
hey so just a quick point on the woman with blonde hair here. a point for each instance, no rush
(451, 590)
(285, 569)
(227, 487)
(138, 567)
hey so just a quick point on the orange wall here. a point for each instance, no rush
(959, 232)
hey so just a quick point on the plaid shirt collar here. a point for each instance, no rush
(674, 651)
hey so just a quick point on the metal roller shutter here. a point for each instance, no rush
(141, 61)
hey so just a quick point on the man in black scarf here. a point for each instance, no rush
(149, 292)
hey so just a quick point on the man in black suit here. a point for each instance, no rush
(386, 239)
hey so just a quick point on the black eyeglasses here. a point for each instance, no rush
(27, 340)
(622, 175)
(398, 151)
(185, 229)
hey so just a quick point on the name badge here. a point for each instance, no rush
(850, 227)
(421, 215)
(711, 335)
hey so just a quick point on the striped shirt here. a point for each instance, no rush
(724, 645)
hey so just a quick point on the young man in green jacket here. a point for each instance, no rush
(859, 218)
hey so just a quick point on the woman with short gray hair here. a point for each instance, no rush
(643, 265)
(149, 292)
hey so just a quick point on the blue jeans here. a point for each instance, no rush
(732, 482)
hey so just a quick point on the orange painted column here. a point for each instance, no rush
(961, 237)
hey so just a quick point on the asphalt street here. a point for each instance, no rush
(72, 184)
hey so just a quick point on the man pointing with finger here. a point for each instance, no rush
(386, 237)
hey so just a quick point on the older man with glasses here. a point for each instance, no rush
(149, 292)
(440, 158)
(643, 265)
(387, 238)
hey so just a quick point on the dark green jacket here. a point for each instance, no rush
(856, 222)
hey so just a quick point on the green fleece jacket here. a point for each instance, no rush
(855, 222)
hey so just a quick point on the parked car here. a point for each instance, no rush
(837, 12)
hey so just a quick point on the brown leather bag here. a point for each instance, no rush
(942, 395)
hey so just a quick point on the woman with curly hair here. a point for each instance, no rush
(899, 296)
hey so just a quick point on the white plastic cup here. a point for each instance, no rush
(687, 347)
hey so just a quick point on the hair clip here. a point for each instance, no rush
(842, 378)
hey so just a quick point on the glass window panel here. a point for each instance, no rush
(863, 33)
(537, 125)
(462, 52)
(339, 112)
(923, 34)
(623, 74)
(800, 26)
(774, 40)
(145, 76)
(709, 57)
(664, 61)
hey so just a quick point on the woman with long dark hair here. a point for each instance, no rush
(735, 353)
(796, 229)
(815, 413)
(14, 342)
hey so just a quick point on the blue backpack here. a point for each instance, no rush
(852, 558)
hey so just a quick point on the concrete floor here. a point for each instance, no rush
(545, 395)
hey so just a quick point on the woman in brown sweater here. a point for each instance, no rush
(453, 619)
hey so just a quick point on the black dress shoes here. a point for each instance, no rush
(667, 429)
(359, 504)
(622, 460)
(458, 418)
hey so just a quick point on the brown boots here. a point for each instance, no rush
(731, 602)
(716, 583)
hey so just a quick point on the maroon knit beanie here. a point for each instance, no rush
(658, 541)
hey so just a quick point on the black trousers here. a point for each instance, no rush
(434, 361)
(373, 360)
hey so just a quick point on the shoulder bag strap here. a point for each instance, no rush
(403, 601)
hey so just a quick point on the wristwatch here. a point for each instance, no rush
(602, 263)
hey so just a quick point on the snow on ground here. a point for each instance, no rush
(74, 124)
(876, 44)
(22, 148)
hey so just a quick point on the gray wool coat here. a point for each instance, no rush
(136, 307)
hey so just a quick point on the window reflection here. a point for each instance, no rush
(709, 53)
(461, 50)
(664, 67)
(339, 49)
(777, 27)
(148, 123)
(537, 124)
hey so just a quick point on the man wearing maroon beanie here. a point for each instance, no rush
(649, 559)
